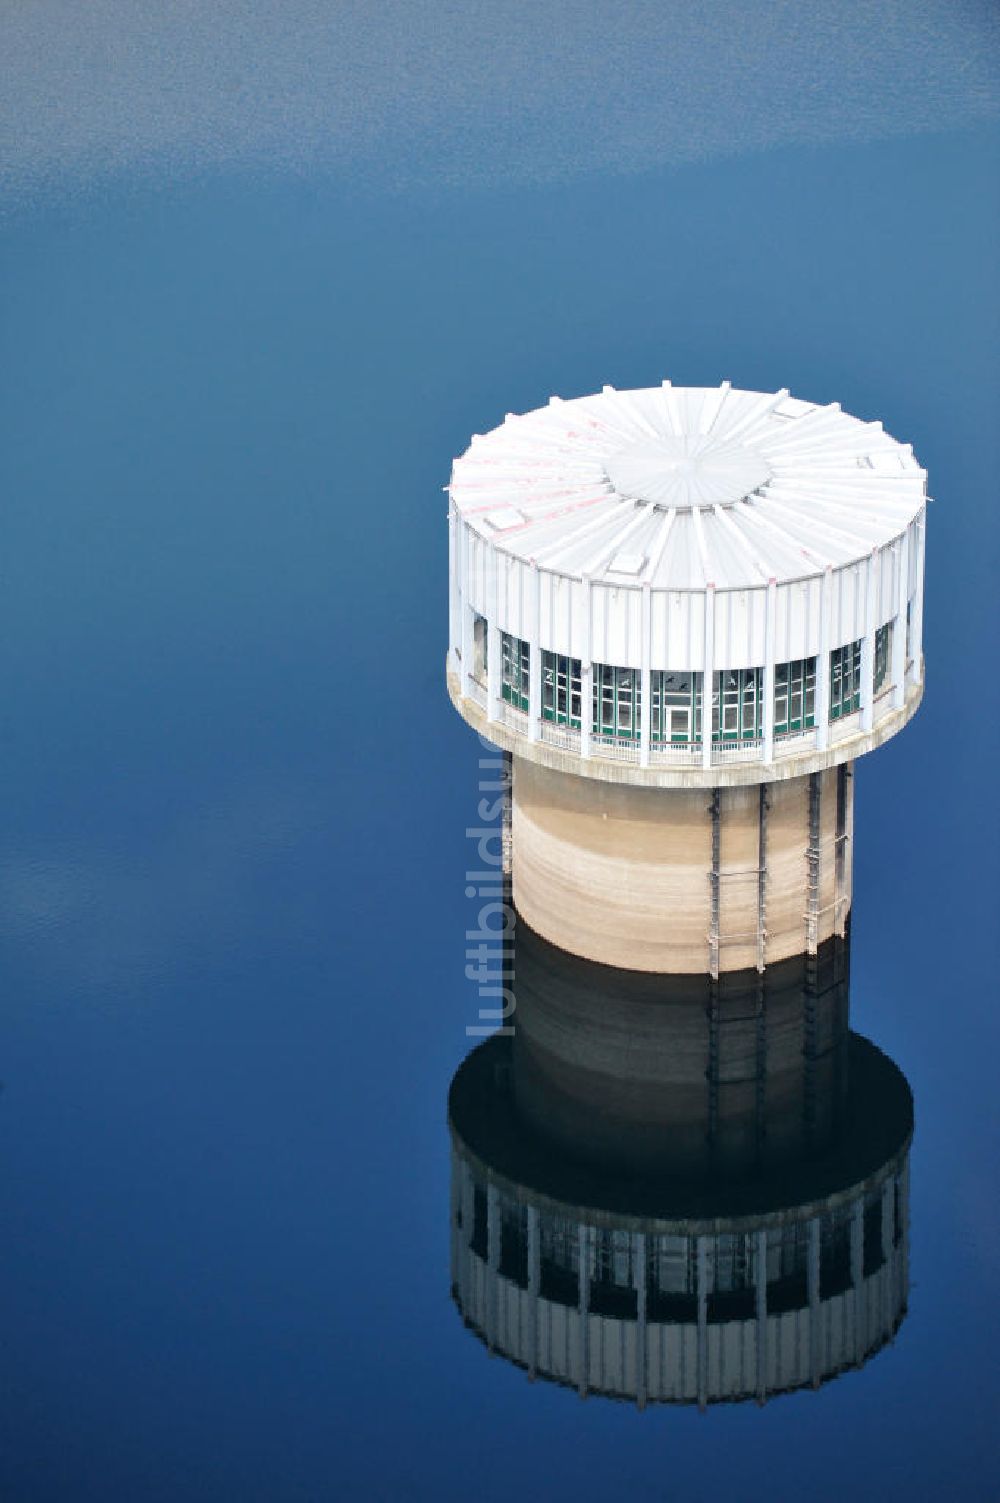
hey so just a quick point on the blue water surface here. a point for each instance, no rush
(232, 847)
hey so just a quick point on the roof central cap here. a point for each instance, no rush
(688, 473)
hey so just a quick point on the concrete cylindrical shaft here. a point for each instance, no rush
(625, 875)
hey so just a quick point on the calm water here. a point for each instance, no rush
(232, 857)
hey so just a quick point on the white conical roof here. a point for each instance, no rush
(684, 487)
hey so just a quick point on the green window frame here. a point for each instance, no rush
(675, 709)
(738, 705)
(480, 648)
(845, 680)
(561, 689)
(515, 676)
(794, 696)
(883, 654)
(616, 702)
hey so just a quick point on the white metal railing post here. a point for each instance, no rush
(645, 677)
(586, 670)
(535, 656)
(468, 645)
(868, 644)
(899, 623)
(917, 603)
(454, 589)
(494, 664)
(767, 688)
(708, 678)
(821, 707)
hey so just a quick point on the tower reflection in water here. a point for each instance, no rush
(665, 1191)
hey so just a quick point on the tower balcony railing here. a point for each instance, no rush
(615, 749)
(515, 719)
(749, 750)
(568, 737)
(786, 745)
(675, 753)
